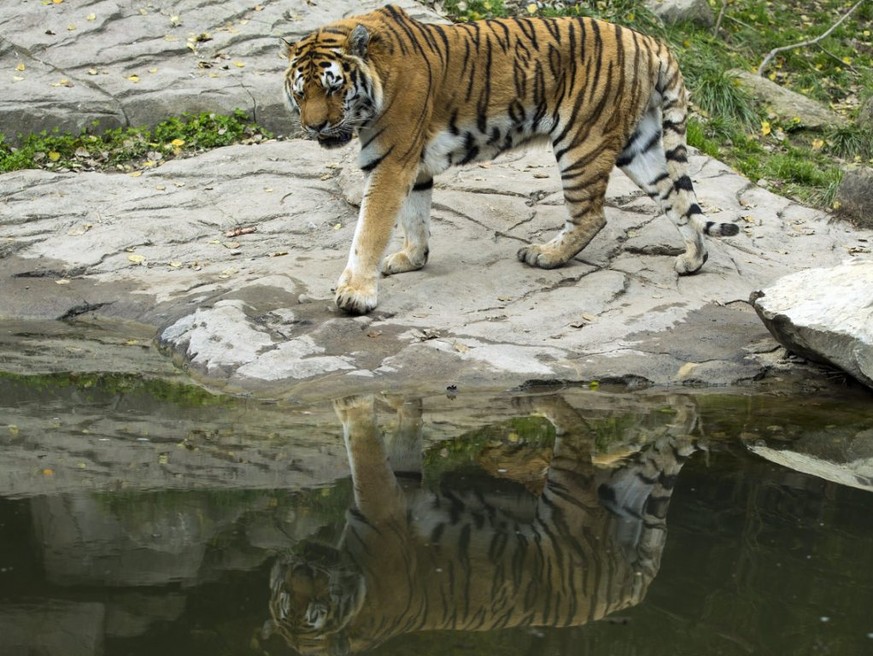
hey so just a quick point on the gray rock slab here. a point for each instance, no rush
(231, 257)
(120, 63)
(825, 314)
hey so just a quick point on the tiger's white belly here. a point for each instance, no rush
(466, 144)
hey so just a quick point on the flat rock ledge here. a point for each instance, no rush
(230, 257)
(824, 314)
(227, 260)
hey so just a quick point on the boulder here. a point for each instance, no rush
(855, 196)
(678, 11)
(865, 114)
(787, 105)
(825, 315)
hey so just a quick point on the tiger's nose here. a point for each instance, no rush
(319, 128)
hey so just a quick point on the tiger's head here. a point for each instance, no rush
(332, 83)
(314, 595)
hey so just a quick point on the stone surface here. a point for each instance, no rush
(676, 11)
(786, 104)
(229, 258)
(119, 63)
(855, 195)
(825, 314)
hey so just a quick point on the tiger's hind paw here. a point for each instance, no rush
(537, 255)
(687, 266)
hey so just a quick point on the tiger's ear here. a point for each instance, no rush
(288, 48)
(358, 41)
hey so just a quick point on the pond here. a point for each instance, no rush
(143, 517)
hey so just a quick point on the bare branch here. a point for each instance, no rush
(776, 51)
(724, 4)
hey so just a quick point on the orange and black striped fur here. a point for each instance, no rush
(409, 560)
(424, 97)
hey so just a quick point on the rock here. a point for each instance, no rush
(855, 195)
(677, 11)
(865, 115)
(125, 64)
(229, 257)
(786, 104)
(825, 315)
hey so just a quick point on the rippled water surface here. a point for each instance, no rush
(139, 517)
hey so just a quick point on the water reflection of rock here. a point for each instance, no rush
(410, 560)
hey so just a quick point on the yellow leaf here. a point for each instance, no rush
(54, 155)
(817, 144)
(532, 8)
(136, 258)
(71, 27)
(176, 265)
(50, 472)
(847, 60)
(135, 174)
(20, 66)
(239, 64)
(133, 78)
(13, 429)
(91, 17)
(765, 128)
(177, 143)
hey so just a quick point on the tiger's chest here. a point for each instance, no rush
(478, 142)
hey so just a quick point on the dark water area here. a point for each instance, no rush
(139, 517)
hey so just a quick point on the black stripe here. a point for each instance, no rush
(372, 164)
(423, 186)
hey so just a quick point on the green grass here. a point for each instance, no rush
(127, 149)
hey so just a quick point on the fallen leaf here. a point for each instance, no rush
(175, 264)
(242, 230)
(278, 253)
(239, 64)
(460, 348)
(136, 258)
(91, 17)
(49, 472)
(62, 281)
(54, 155)
(133, 78)
(20, 67)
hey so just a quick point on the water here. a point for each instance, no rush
(139, 517)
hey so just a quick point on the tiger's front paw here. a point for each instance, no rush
(539, 256)
(355, 296)
(403, 261)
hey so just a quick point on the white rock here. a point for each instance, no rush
(825, 315)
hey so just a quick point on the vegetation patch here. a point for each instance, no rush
(129, 149)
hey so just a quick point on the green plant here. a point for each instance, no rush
(129, 148)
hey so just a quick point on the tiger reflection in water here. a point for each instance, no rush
(587, 545)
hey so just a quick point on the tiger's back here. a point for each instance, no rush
(424, 97)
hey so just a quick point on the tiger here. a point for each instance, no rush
(587, 544)
(424, 97)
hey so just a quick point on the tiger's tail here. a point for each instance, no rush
(656, 158)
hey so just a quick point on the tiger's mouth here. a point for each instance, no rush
(335, 140)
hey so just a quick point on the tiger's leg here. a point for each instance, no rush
(585, 174)
(385, 192)
(415, 220)
(656, 159)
